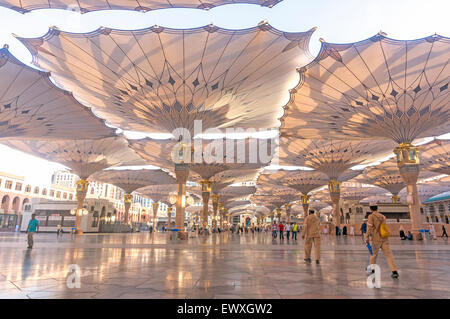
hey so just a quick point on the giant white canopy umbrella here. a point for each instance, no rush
(387, 176)
(435, 156)
(83, 157)
(32, 107)
(357, 193)
(160, 79)
(302, 181)
(216, 163)
(84, 6)
(131, 179)
(374, 89)
(333, 158)
(280, 196)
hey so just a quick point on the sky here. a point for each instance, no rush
(336, 21)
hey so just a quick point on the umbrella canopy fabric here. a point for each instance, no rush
(130, 180)
(84, 6)
(373, 89)
(160, 79)
(82, 157)
(32, 107)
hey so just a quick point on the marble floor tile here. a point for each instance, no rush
(144, 266)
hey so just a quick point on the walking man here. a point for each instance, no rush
(373, 235)
(33, 227)
(311, 232)
(444, 232)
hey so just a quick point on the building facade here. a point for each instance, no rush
(141, 209)
(15, 192)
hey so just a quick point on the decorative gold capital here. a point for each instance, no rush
(407, 154)
(128, 198)
(305, 199)
(182, 153)
(334, 186)
(206, 186)
(215, 198)
(82, 185)
(395, 199)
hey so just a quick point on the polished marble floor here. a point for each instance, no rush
(143, 265)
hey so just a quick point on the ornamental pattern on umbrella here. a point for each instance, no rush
(32, 107)
(333, 157)
(375, 88)
(130, 180)
(160, 79)
(83, 157)
(435, 156)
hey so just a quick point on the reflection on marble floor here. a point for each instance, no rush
(144, 265)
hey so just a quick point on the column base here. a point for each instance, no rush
(183, 235)
(417, 235)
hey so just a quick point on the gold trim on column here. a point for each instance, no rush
(305, 199)
(206, 186)
(334, 186)
(128, 198)
(407, 154)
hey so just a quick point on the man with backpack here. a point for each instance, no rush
(378, 234)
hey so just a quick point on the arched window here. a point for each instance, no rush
(58, 194)
(64, 195)
(27, 189)
(36, 190)
(16, 204)
(70, 196)
(5, 204)
(44, 192)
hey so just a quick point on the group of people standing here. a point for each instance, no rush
(285, 228)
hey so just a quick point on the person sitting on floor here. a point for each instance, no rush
(402, 233)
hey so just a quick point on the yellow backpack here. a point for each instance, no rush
(384, 230)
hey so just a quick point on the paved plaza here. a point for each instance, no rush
(144, 265)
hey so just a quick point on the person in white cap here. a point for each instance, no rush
(374, 236)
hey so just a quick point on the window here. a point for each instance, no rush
(8, 184)
(441, 209)
(18, 186)
(36, 190)
(58, 194)
(0, 182)
(65, 195)
(70, 196)
(52, 193)
(44, 192)
(28, 189)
